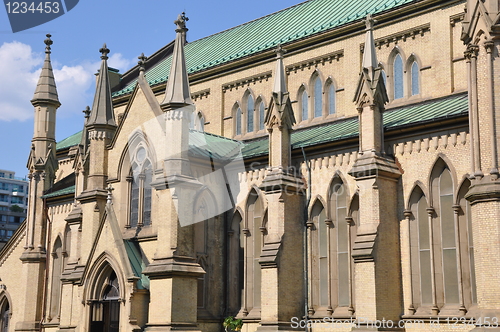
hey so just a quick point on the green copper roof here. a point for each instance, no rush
(65, 191)
(69, 141)
(204, 144)
(429, 111)
(218, 147)
(290, 24)
(138, 262)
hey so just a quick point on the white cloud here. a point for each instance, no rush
(18, 81)
(19, 71)
(117, 61)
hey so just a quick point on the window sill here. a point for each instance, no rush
(424, 313)
(338, 313)
(146, 233)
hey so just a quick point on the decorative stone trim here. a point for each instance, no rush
(99, 134)
(247, 81)
(314, 62)
(412, 33)
(457, 18)
(200, 94)
(429, 143)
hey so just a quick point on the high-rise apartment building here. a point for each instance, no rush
(13, 203)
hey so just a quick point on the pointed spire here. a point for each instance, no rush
(177, 90)
(370, 61)
(280, 79)
(280, 111)
(46, 88)
(371, 87)
(102, 108)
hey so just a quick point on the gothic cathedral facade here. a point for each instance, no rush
(329, 167)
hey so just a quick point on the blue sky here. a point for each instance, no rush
(127, 27)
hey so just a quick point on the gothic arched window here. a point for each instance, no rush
(262, 115)
(398, 77)
(415, 80)
(318, 98)
(197, 121)
(140, 189)
(207, 231)
(253, 239)
(331, 98)
(330, 257)
(304, 99)
(442, 257)
(238, 121)
(56, 285)
(250, 113)
(236, 264)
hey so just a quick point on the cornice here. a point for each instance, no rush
(247, 81)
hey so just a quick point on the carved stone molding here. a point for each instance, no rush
(314, 62)
(395, 38)
(247, 81)
(200, 94)
(457, 18)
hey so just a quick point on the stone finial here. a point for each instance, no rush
(181, 21)
(142, 62)
(48, 42)
(104, 51)
(86, 111)
(370, 22)
(280, 51)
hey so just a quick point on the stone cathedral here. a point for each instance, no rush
(333, 166)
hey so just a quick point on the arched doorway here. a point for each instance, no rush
(105, 311)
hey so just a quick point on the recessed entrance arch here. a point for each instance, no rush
(106, 302)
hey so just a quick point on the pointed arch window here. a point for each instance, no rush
(398, 77)
(304, 99)
(338, 208)
(421, 263)
(463, 212)
(415, 78)
(140, 189)
(56, 285)
(253, 239)
(442, 257)
(197, 122)
(318, 98)
(236, 280)
(331, 98)
(384, 76)
(262, 115)
(238, 121)
(250, 113)
(206, 232)
(330, 261)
